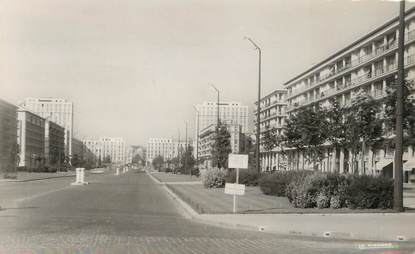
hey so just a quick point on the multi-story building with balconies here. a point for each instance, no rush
(369, 64)
(272, 118)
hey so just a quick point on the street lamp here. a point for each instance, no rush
(185, 150)
(258, 165)
(217, 106)
(197, 136)
(398, 181)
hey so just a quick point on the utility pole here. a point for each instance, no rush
(258, 136)
(178, 150)
(398, 182)
(197, 137)
(185, 151)
(218, 119)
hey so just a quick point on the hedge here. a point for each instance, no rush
(246, 176)
(276, 183)
(324, 190)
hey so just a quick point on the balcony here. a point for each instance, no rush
(269, 105)
(353, 83)
(409, 36)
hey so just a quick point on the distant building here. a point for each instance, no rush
(8, 137)
(167, 148)
(54, 144)
(229, 113)
(59, 111)
(31, 139)
(207, 138)
(94, 147)
(108, 147)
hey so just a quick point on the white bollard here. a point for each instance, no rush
(80, 177)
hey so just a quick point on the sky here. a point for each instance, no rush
(134, 68)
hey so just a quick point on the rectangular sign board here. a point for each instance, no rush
(234, 189)
(238, 161)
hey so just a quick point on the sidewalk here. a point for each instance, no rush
(170, 178)
(358, 226)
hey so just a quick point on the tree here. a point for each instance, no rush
(187, 160)
(307, 132)
(271, 140)
(221, 147)
(107, 159)
(158, 162)
(336, 134)
(363, 126)
(408, 110)
(137, 159)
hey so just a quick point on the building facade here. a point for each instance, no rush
(94, 147)
(272, 118)
(367, 65)
(59, 111)
(54, 144)
(167, 148)
(207, 138)
(108, 147)
(230, 113)
(8, 137)
(30, 139)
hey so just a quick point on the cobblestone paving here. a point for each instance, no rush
(130, 214)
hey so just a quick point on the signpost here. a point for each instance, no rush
(236, 161)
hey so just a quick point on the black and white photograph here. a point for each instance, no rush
(207, 126)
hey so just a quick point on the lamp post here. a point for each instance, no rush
(218, 120)
(217, 106)
(185, 150)
(398, 182)
(258, 165)
(197, 136)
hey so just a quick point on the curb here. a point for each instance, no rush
(34, 179)
(193, 214)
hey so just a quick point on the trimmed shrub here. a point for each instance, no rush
(213, 178)
(335, 202)
(323, 199)
(276, 183)
(368, 192)
(247, 177)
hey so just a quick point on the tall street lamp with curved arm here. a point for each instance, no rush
(258, 165)
(217, 106)
(197, 136)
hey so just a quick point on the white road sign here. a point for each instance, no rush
(238, 161)
(234, 189)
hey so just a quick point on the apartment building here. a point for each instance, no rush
(54, 144)
(94, 147)
(207, 138)
(165, 147)
(272, 118)
(59, 111)
(30, 139)
(369, 64)
(229, 113)
(113, 148)
(8, 137)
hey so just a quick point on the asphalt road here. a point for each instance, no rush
(131, 214)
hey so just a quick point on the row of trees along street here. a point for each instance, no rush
(366, 123)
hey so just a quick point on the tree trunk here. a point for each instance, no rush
(362, 171)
